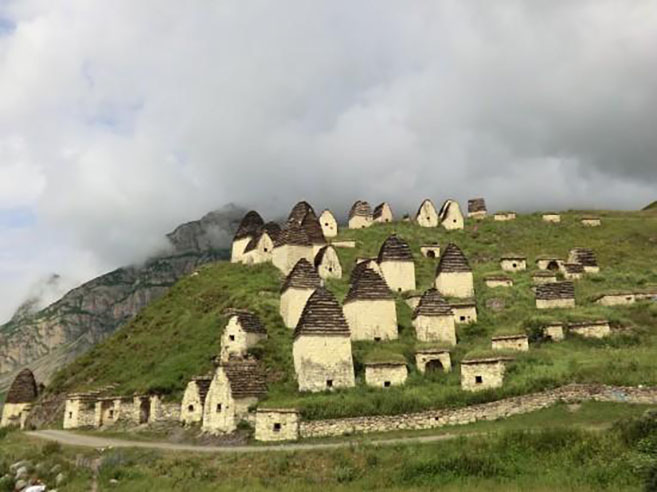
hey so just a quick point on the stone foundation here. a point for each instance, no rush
(426, 360)
(277, 424)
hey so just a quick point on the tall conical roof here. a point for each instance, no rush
(394, 249)
(293, 234)
(313, 228)
(250, 322)
(322, 315)
(250, 225)
(378, 210)
(368, 286)
(24, 388)
(432, 304)
(246, 378)
(302, 276)
(428, 202)
(453, 260)
(299, 211)
(360, 208)
(359, 269)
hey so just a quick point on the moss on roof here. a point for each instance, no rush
(482, 354)
(383, 356)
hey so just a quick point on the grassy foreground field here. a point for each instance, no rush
(177, 336)
(583, 448)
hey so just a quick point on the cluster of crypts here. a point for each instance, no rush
(304, 250)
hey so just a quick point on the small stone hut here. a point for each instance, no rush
(454, 275)
(277, 424)
(433, 319)
(481, 373)
(554, 332)
(551, 217)
(260, 248)
(556, 295)
(299, 212)
(322, 345)
(293, 244)
(18, 403)
(494, 281)
(370, 309)
(590, 329)
(465, 311)
(328, 223)
(589, 221)
(110, 410)
(430, 250)
(247, 230)
(450, 216)
(514, 341)
(382, 213)
(573, 271)
(549, 262)
(79, 410)
(236, 386)
(327, 263)
(397, 266)
(193, 401)
(298, 286)
(427, 215)
(477, 208)
(616, 299)
(433, 359)
(513, 263)
(544, 277)
(243, 331)
(385, 373)
(360, 215)
(504, 216)
(585, 257)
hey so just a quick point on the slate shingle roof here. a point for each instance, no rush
(368, 286)
(322, 315)
(293, 234)
(574, 267)
(246, 378)
(453, 260)
(394, 249)
(272, 229)
(476, 205)
(24, 388)
(555, 291)
(203, 385)
(360, 208)
(359, 269)
(250, 322)
(378, 211)
(250, 225)
(584, 256)
(299, 211)
(432, 304)
(302, 276)
(313, 228)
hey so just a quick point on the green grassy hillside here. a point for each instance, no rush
(177, 336)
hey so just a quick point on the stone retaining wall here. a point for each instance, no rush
(486, 411)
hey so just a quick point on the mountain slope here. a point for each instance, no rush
(176, 337)
(53, 336)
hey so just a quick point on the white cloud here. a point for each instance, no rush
(120, 119)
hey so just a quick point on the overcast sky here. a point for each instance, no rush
(120, 119)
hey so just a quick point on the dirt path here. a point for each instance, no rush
(73, 439)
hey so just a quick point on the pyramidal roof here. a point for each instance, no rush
(250, 225)
(453, 260)
(313, 228)
(378, 211)
(359, 269)
(322, 315)
(272, 229)
(584, 256)
(360, 208)
(250, 322)
(293, 234)
(426, 201)
(476, 205)
(23, 389)
(302, 276)
(299, 211)
(444, 210)
(368, 286)
(246, 378)
(432, 304)
(394, 249)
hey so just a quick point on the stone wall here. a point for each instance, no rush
(555, 303)
(286, 256)
(399, 275)
(617, 299)
(293, 301)
(520, 343)
(374, 319)
(330, 266)
(504, 217)
(593, 330)
(328, 223)
(360, 222)
(346, 243)
(191, 408)
(498, 282)
(481, 375)
(14, 414)
(554, 332)
(435, 329)
(513, 264)
(238, 249)
(427, 216)
(323, 362)
(385, 375)
(455, 284)
(464, 314)
(235, 341)
(430, 251)
(486, 411)
(424, 358)
(273, 424)
(78, 413)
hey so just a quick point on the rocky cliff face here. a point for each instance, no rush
(46, 339)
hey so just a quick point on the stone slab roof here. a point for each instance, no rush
(322, 315)
(246, 378)
(250, 225)
(432, 304)
(580, 324)
(476, 205)
(509, 337)
(250, 322)
(487, 360)
(293, 234)
(368, 286)
(302, 276)
(544, 273)
(499, 278)
(360, 268)
(313, 228)
(378, 210)
(299, 211)
(24, 388)
(513, 256)
(360, 208)
(556, 290)
(395, 249)
(574, 267)
(453, 260)
(203, 385)
(456, 303)
(584, 256)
